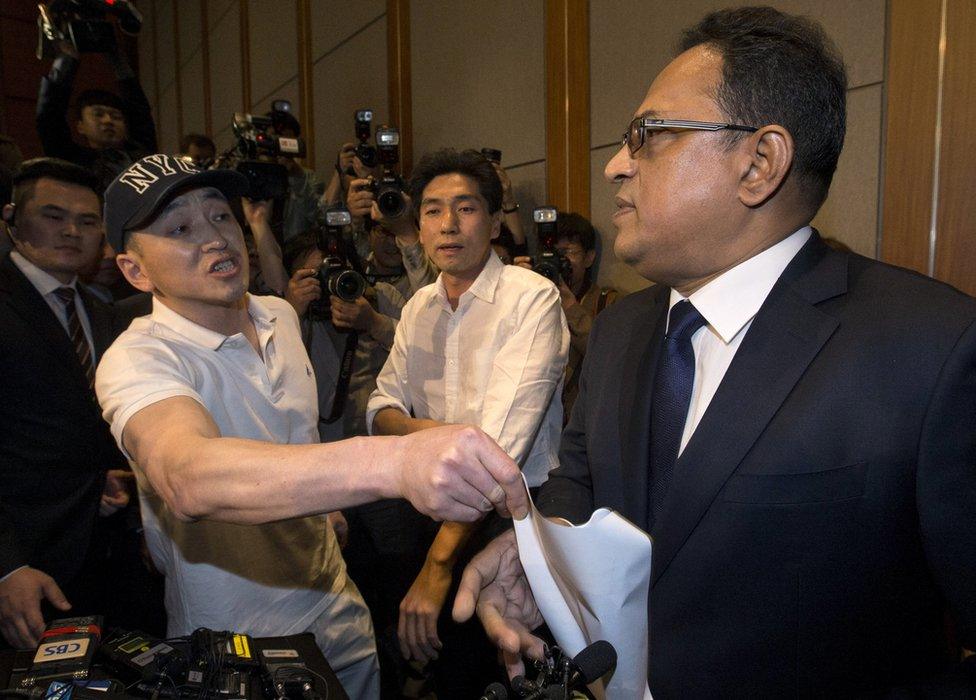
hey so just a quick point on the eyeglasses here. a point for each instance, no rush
(634, 137)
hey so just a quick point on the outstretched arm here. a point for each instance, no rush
(445, 473)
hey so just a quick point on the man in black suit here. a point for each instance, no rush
(55, 449)
(795, 426)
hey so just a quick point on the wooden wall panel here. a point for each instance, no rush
(305, 82)
(399, 88)
(568, 105)
(955, 256)
(912, 101)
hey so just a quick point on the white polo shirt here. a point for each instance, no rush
(265, 580)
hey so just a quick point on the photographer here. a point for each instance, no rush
(510, 206)
(306, 192)
(267, 271)
(117, 129)
(581, 299)
(198, 149)
(362, 205)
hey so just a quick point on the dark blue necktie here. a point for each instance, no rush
(672, 395)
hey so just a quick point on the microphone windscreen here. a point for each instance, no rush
(495, 691)
(595, 660)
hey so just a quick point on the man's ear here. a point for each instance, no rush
(133, 271)
(589, 258)
(496, 224)
(769, 153)
(8, 212)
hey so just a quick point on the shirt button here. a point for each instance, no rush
(451, 363)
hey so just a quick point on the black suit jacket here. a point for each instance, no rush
(820, 521)
(54, 445)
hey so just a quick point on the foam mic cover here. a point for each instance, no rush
(594, 661)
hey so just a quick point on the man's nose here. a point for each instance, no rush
(620, 166)
(71, 228)
(449, 221)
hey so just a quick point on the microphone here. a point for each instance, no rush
(563, 675)
(495, 691)
(590, 664)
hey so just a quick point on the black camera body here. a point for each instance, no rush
(365, 151)
(84, 24)
(257, 148)
(550, 263)
(336, 274)
(256, 137)
(388, 189)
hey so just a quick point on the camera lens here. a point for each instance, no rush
(391, 202)
(347, 285)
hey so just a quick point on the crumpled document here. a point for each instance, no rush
(591, 582)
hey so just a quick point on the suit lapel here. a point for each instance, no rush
(637, 378)
(784, 338)
(100, 321)
(25, 301)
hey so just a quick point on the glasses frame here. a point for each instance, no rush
(645, 123)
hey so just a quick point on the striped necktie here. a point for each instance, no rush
(67, 297)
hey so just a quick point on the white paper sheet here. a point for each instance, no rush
(590, 582)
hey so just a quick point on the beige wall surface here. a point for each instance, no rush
(226, 86)
(349, 74)
(478, 79)
(348, 66)
(630, 42)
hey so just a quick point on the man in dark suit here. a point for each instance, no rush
(55, 449)
(795, 426)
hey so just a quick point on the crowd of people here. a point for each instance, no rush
(204, 426)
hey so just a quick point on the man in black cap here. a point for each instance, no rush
(197, 394)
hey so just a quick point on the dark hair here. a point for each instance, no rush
(54, 169)
(505, 239)
(6, 184)
(780, 69)
(89, 98)
(448, 161)
(298, 247)
(198, 140)
(576, 228)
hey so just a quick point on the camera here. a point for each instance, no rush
(492, 155)
(256, 137)
(84, 24)
(364, 150)
(257, 145)
(336, 275)
(388, 190)
(550, 263)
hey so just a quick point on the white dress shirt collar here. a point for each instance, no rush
(43, 282)
(733, 298)
(204, 337)
(483, 286)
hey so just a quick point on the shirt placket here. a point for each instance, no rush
(451, 355)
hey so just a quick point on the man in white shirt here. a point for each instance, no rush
(485, 344)
(200, 393)
(793, 424)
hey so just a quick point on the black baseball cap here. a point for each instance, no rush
(146, 186)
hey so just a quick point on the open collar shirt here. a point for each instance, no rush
(496, 362)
